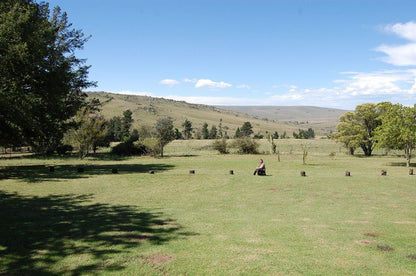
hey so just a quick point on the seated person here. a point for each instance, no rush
(261, 169)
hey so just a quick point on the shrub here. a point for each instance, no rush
(62, 149)
(246, 145)
(220, 145)
(151, 145)
(128, 147)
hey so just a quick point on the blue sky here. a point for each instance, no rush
(227, 52)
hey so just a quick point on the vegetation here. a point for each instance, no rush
(357, 128)
(164, 132)
(304, 134)
(398, 129)
(209, 223)
(220, 145)
(41, 79)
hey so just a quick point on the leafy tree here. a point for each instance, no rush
(220, 129)
(205, 132)
(89, 129)
(348, 132)
(398, 130)
(246, 129)
(304, 134)
(357, 128)
(164, 131)
(41, 79)
(187, 129)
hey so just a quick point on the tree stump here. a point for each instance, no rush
(231, 172)
(347, 173)
(80, 169)
(192, 171)
(51, 168)
(114, 170)
(302, 173)
(410, 171)
(383, 172)
(151, 172)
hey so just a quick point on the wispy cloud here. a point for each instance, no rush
(400, 55)
(201, 83)
(244, 86)
(169, 82)
(190, 80)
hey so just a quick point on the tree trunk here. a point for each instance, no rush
(352, 150)
(408, 153)
(161, 151)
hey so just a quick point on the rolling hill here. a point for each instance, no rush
(146, 110)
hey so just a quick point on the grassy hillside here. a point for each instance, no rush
(146, 110)
(319, 118)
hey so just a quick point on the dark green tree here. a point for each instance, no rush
(213, 133)
(246, 129)
(178, 134)
(187, 129)
(126, 122)
(237, 133)
(41, 79)
(205, 132)
(114, 129)
(164, 132)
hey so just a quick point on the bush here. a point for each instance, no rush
(220, 145)
(246, 146)
(129, 147)
(151, 145)
(62, 149)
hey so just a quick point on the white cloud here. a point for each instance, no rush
(400, 55)
(190, 80)
(138, 93)
(406, 30)
(244, 86)
(169, 82)
(211, 84)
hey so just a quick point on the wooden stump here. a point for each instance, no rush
(231, 172)
(192, 171)
(152, 172)
(383, 172)
(347, 173)
(410, 171)
(114, 170)
(302, 173)
(80, 169)
(51, 168)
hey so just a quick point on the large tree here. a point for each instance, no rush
(357, 128)
(41, 79)
(398, 130)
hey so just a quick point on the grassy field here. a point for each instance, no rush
(210, 222)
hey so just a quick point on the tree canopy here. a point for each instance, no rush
(398, 129)
(41, 79)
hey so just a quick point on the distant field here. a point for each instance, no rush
(210, 222)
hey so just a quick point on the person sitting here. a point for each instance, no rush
(261, 169)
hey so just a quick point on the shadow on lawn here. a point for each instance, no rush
(39, 232)
(36, 173)
(402, 164)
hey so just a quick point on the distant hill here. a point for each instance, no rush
(320, 118)
(146, 110)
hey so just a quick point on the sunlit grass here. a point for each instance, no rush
(211, 222)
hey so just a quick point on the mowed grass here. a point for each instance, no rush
(210, 222)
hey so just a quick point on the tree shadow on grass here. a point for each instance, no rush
(37, 233)
(37, 173)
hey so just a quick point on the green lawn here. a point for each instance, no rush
(212, 222)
